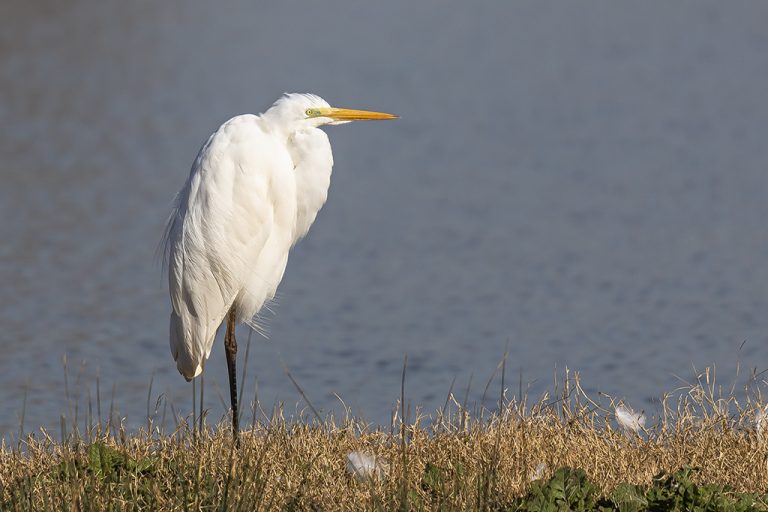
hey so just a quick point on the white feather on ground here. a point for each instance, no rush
(539, 471)
(630, 420)
(761, 420)
(363, 466)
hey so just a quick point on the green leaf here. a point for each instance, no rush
(432, 480)
(104, 461)
(567, 489)
(628, 498)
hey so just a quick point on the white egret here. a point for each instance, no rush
(254, 190)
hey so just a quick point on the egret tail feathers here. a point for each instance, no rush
(188, 356)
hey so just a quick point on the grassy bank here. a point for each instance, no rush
(457, 460)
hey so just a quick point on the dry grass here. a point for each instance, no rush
(457, 461)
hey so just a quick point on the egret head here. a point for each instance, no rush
(296, 111)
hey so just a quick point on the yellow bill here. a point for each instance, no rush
(348, 114)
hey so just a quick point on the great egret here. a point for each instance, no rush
(254, 190)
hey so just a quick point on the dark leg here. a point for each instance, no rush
(230, 344)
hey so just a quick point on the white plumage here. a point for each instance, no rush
(363, 466)
(254, 190)
(629, 420)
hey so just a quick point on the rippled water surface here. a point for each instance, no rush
(583, 182)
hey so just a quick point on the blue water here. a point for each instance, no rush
(583, 183)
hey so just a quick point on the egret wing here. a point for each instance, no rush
(221, 222)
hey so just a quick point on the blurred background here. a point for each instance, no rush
(583, 183)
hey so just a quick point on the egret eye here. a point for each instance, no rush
(310, 112)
